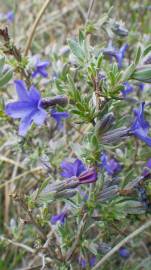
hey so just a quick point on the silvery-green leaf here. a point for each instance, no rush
(6, 77)
(147, 50)
(2, 62)
(138, 55)
(142, 74)
(76, 50)
(128, 73)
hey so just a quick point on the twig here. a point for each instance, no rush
(37, 227)
(20, 176)
(27, 248)
(80, 229)
(11, 161)
(122, 243)
(30, 38)
(89, 10)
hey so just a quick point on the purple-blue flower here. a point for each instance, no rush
(70, 169)
(10, 16)
(27, 108)
(59, 218)
(118, 54)
(92, 261)
(128, 88)
(110, 165)
(39, 67)
(140, 126)
(59, 116)
(124, 253)
(82, 262)
(141, 86)
(78, 169)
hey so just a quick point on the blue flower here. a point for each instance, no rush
(118, 54)
(59, 116)
(10, 16)
(127, 89)
(110, 165)
(140, 126)
(92, 261)
(59, 218)
(141, 86)
(78, 169)
(39, 67)
(70, 169)
(82, 262)
(124, 253)
(27, 108)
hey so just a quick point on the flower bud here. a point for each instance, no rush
(115, 135)
(57, 100)
(88, 176)
(65, 194)
(108, 193)
(66, 184)
(104, 124)
(119, 29)
(142, 74)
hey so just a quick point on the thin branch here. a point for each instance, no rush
(36, 225)
(20, 176)
(89, 10)
(27, 248)
(122, 243)
(75, 243)
(33, 30)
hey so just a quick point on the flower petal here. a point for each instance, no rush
(18, 109)
(39, 117)
(143, 136)
(25, 124)
(67, 168)
(34, 94)
(21, 90)
(72, 169)
(43, 72)
(43, 64)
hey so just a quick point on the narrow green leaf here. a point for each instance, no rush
(128, 72)
(2, 62)
(76, 50)
(6, 78)
(147, 50)
(138, 55)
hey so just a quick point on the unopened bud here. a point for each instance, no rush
(89, 176)
(115, 135)
(142, 74)
(108, 193)
(57, 100)
(65, 194)
(119, 29)
(104, 124)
